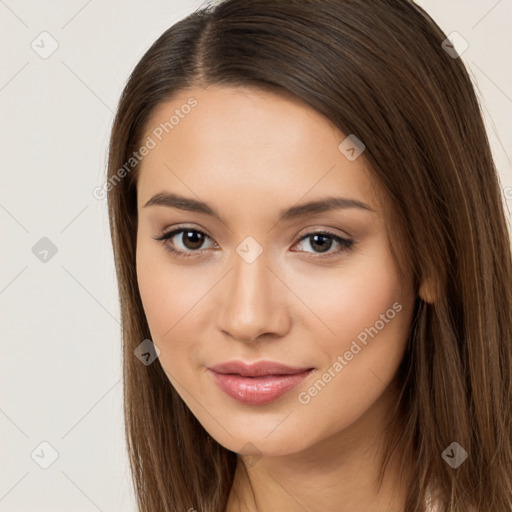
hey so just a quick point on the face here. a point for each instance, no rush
(244, 274)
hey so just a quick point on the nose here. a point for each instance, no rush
(253, 302)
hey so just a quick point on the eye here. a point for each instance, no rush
(192, 240)
(323, 242)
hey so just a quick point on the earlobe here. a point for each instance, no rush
(427, 291)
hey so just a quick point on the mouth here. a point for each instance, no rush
(258, 383)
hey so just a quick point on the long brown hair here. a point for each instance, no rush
(378, 70)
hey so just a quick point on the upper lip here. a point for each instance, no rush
(257, 369)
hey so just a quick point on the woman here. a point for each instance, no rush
(314, 266)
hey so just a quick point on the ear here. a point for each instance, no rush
(428, 291)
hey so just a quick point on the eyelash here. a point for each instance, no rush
(345, 243)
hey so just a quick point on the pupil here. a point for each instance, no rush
(193, 239)
(323, 247)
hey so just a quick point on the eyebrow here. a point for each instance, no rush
(319, 206)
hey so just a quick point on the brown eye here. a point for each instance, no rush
(321, 242)
(191, 241)
(188, 242)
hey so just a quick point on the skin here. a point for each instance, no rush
(249, 154)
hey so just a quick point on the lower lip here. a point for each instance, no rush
(258, 390)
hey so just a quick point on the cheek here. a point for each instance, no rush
(172, 298)
(363, 300)
(367, 312)
(153, 283)
(351, 299)
(370, 313)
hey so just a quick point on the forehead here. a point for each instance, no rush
(256, 147)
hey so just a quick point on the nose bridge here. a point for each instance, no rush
(250, 305)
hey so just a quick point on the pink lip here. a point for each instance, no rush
(257, 383)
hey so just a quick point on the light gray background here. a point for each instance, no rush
(60, 365)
